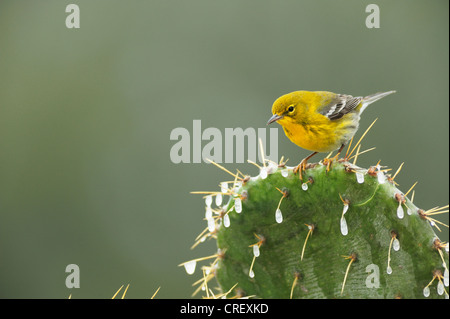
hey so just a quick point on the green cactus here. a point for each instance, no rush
(346, 232)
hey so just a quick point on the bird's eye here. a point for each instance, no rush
(291, 108)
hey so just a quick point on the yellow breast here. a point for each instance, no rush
(320, 137)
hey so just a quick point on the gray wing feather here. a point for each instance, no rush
(341, 106)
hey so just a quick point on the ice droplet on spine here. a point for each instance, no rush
(251, 274)
(400, 211)
(278, 216)
(344, 228)
(263, 173)
(409, 211)
(211, 224)
(381, 177)
(208, 212)
(226, 221)
(396, 245)
(305, 186)
(284, 173)
(359, 177)
(219, 199)
(208, 200)
(389, 270)
(256, 250)
(224, 187)
(345, 209)
(190, 267)
(426, 291)
(440, 288)
(238, 205)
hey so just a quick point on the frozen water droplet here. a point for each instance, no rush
(285, 173)
(271, 167)
(345, 209)
(190, 267)
(389, 270)
(251, 274)
(400, 211)
(238, 205)
(381, 177)
(263, 173)
(409, 211)
(344, 228)
(224, 187)
(432, 223)
(305, 186)
(359, 177)
(446, 277)
(208, 212)
(440, 288)
(256, 250)
(278, 216)
(396, 244)
(211, 224)
(208, 200)
(426, 291)
(219, 199)
(446, 247)
(226, 221)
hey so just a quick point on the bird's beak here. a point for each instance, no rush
(274, 118)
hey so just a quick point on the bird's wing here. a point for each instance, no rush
(340, 106)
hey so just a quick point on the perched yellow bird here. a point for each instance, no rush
(320, 121)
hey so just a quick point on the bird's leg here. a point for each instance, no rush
(302, 166)
(329, 161)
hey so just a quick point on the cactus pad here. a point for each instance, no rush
(343, 233)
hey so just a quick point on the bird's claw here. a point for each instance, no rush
(300, 168)
(329, 161)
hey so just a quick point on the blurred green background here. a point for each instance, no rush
(86, 114)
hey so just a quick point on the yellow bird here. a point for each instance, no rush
(320, 121)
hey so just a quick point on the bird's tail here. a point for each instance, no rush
(373, 98)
